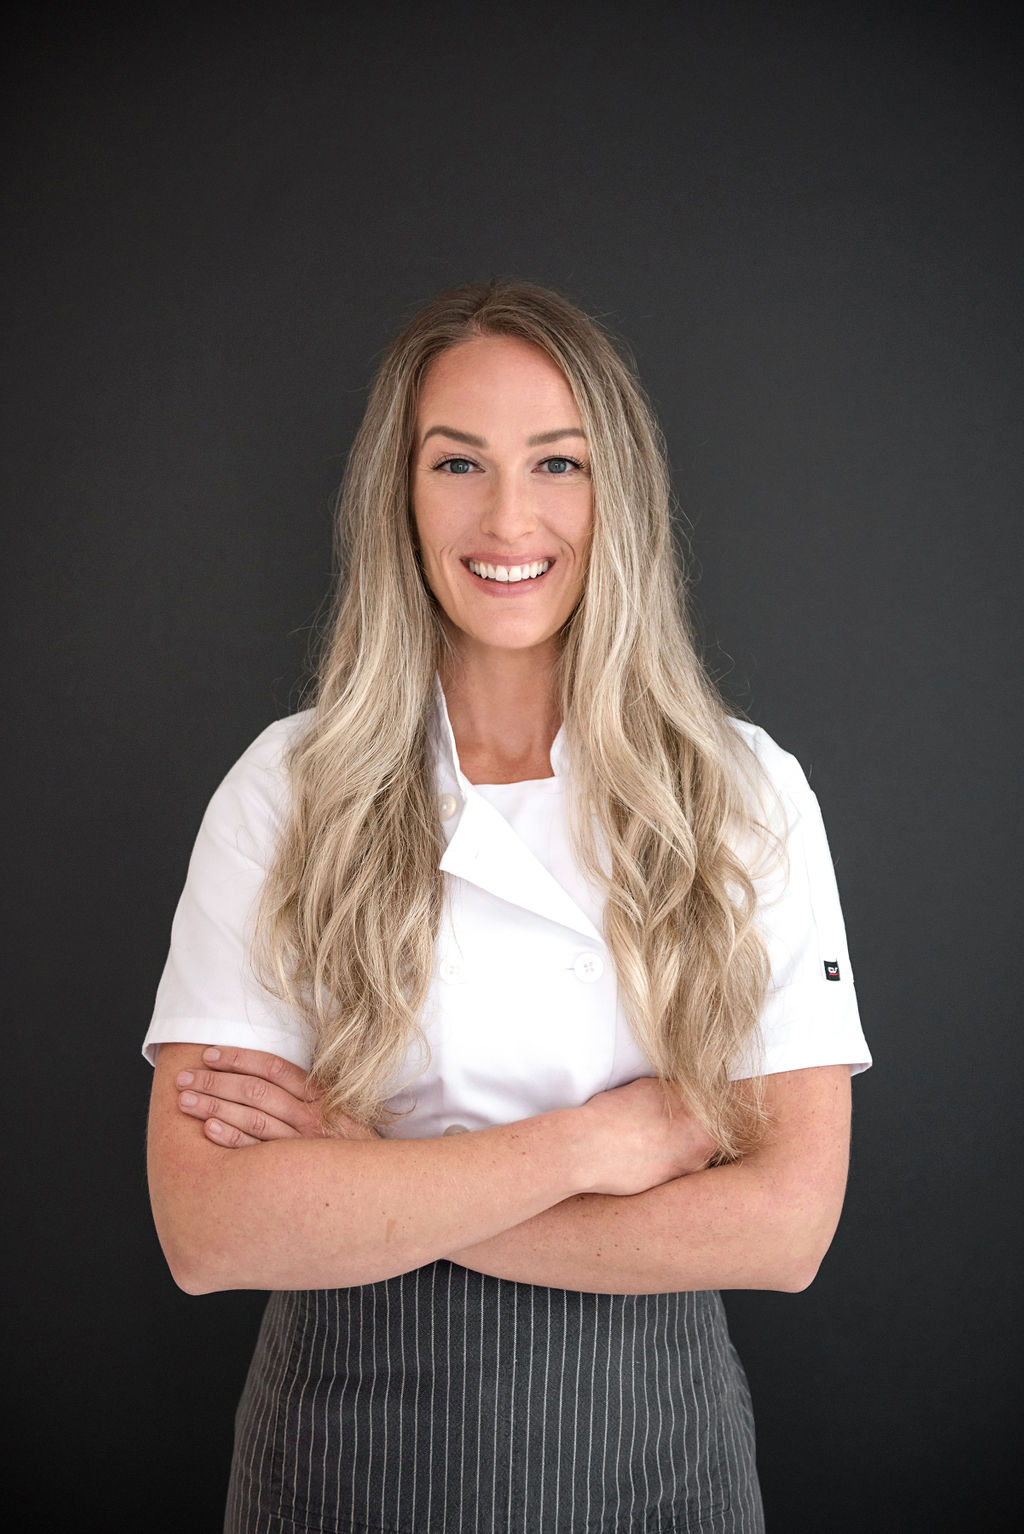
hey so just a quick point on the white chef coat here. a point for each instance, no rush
(523, 1013)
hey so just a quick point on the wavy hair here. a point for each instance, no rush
(663, 789)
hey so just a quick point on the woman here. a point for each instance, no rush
(559, 946)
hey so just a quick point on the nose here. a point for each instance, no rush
(508, 513)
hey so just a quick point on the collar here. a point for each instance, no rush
(484, 849)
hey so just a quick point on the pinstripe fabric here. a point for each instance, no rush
(448, 1402)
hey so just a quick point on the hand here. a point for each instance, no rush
(246, 1097)
(635, 1145)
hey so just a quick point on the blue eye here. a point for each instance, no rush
(561, 465)
(557, 464)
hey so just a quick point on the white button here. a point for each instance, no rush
(457, 1129)
(588, 967)
(448, 804)
(451, 970)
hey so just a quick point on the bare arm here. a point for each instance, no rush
(762, 1223)
(326, 1213)
(309, 1212)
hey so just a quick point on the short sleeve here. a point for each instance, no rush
(810, 1016)
(209, 992)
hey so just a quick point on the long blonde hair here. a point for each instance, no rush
(661, 781)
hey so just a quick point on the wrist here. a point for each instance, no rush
(578, 1150)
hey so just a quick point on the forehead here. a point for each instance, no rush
(495, 378)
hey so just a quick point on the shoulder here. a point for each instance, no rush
(776, 784)
(780, 766)
(255, 791)
(267, 756)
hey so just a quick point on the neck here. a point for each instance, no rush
(504, 712)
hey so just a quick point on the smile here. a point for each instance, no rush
(508, 574)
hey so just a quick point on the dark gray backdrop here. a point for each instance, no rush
(805, 220)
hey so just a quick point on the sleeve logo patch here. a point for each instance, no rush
(831, 969)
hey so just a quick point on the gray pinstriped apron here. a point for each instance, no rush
(444, 1401)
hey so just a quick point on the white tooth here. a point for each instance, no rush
(510, 573)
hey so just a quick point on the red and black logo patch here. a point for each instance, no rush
(831, 969)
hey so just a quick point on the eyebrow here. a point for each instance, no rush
(472, 441)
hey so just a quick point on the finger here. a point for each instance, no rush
(256, 1093)
(256, 1062)
(224, 1134)
(253, 1123)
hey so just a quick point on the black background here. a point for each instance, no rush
(805, 221)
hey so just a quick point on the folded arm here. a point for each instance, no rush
(762, 1223)
(312, 1212)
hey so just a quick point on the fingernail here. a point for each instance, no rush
(211, 1054)
(213, 1127)
(188, 1099)
(185, 1078)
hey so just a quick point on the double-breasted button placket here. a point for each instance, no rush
(523, 1010)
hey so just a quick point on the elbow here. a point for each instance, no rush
(795, 1277)
(190, 1274)
(802, 1253)
(188, 1282)
(192, 1278)
(201, 1209)
(194, 1268)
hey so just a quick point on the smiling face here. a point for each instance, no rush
(501, 494)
